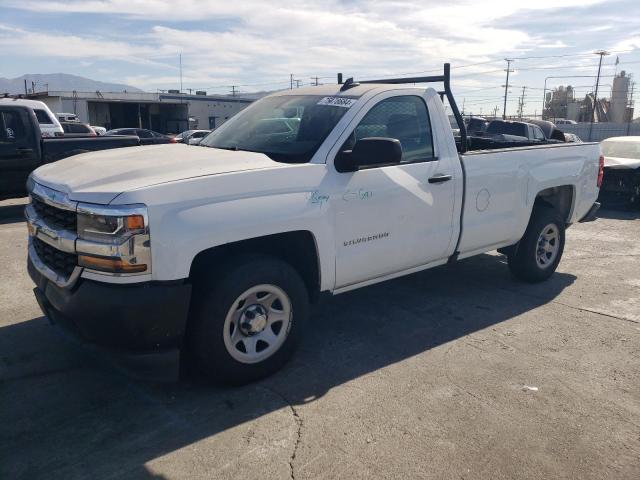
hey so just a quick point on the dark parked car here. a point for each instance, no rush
(147, 137)
(77, 129)
(477, 124)
(22, 148)
(508, 134)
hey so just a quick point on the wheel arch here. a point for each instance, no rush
(561, 198)
(299, 248)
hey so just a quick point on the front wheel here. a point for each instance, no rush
(245, 323)
(538, 253)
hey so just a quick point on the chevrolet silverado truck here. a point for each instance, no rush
(23, 148)
(216, 252)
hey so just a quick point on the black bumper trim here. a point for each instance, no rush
(591, 214)
(133, 322)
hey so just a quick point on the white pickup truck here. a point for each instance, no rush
(217, 250)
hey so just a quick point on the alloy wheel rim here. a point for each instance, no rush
(548, 246)
(257, 324)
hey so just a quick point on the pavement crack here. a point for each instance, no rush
(299, 424)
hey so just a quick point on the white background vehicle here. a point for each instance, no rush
(100, 131)
(67, 117)
(621, 170)
(218, 251)
(49, 124)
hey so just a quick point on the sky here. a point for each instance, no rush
(256, 45)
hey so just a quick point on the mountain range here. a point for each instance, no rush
(60, 81)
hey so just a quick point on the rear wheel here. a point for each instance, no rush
(538, 253)
(246, 322)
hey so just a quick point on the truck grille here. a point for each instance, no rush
(60, 262)
(53, 216)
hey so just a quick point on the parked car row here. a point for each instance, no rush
(147, 137)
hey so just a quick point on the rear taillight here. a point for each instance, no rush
(600, 171)
(172, 140)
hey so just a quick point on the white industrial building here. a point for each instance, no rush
(162, 112)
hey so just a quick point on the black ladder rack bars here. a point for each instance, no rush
(444, 78)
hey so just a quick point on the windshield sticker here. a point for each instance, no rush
(338, 101)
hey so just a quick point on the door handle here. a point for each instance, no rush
(24, 151)
(440, 178)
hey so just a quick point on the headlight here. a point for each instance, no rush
(113, 239)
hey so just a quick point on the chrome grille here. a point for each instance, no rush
(53, 216)
(60, 262)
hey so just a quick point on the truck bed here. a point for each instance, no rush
(54, 149)
(501, 186)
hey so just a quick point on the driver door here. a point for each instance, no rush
(391, 218)
(19, 155)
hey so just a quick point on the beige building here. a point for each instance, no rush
(162, 112)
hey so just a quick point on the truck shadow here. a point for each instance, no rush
(67, 415)
(11, 214)
(619, 213)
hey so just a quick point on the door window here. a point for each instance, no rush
(144, 134)
(11, 127)
(537, 133)
(404, 118)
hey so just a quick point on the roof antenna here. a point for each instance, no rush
(349, 83)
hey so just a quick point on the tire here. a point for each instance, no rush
(246, 321)
(536, 258)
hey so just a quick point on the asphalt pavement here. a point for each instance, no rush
(460, 372)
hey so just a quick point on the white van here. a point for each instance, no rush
(49, 124)
(67, 117)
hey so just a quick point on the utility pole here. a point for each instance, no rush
(180, 60)
(633, 84)
(315, 79)
(521, 103)
(291, 81)
(233, 90)
(506, 88)
(298, 83)
(602, 53)
(26, 91)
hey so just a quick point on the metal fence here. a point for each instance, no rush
(601, 130)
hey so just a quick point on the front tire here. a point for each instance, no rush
(538, 253)
(247, 320)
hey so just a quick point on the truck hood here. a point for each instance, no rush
(98, 177)
(621, 163)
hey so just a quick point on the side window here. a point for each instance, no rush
(537, 133)
(12, 127)
(42, 116)
(144, 134)
(404, 118)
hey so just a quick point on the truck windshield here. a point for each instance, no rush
(621, 149)
(288, 128)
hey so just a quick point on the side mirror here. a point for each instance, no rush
(370, 152)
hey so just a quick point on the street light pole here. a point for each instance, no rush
(602, 53)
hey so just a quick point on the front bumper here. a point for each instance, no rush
(144, 322)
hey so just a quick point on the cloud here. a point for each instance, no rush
(257, 44)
